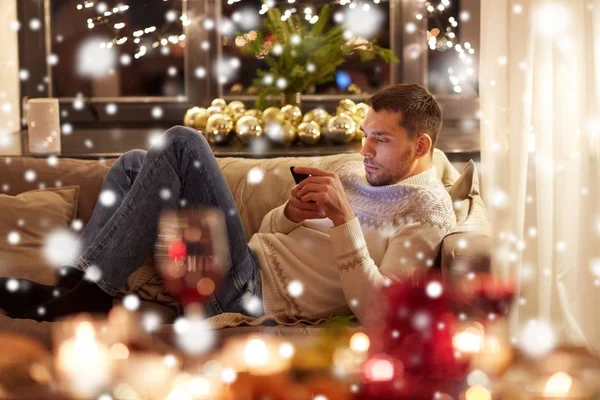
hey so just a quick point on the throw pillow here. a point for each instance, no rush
(463, 190)
(25, 221)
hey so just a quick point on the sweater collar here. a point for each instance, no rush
(421, 179)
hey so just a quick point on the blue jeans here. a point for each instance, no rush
(119, 236)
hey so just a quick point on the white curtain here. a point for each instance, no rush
(540, 130)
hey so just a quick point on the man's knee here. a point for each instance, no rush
(181, 135)
(133, 159)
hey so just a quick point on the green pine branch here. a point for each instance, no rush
(325, 49)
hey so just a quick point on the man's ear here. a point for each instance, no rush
(424, 144)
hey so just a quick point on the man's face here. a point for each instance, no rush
(389, 153)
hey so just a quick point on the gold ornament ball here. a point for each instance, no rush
(248, 128)
(309, 132)
(235, 107)
(359, 132)
(238, 88)
(200, 119)
(341, 129)
(253, 112)
(273, 114)
(188, 119)
(219, 103)
(346, 106)
(361, 110)
(320, 116)
(217, 129)
(212, 110)
(280, 133)
(292, 113)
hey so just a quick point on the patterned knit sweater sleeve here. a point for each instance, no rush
(413, 246)
(276, 222)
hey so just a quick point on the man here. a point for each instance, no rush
(342, 235)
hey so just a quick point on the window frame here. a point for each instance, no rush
(135, 112)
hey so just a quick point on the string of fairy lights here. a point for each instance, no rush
(441, 38)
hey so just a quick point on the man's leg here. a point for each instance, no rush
(184, 168)
(17, 295)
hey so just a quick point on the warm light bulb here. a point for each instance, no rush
(558, 385)
(380, 369)
(478, 392)
(360, 342)
(468, 341)
(256, 353)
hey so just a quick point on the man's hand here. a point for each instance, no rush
(327, 191)
(298, 210)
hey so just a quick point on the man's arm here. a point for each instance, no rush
(276, 222)
(413, 247)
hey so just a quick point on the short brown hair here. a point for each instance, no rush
(421, 113)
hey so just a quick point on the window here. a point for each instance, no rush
(133, 50)
(185, 40)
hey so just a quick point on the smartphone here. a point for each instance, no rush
(298, 177)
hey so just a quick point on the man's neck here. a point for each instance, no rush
(420, 166)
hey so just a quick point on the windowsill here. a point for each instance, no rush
(456, 142)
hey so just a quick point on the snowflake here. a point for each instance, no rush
(286, 350)
(228, 375)
(61, 248)
(20, 222)
(151, 321)
(30, 175)
(157, 112)
(12, 285)
(197, 164)
(52, 59)
(194, 335)
(93, 274)
(353, 303)
(200, 72)
(537, 338)
(111, 108)
(252, 304)
(295, 288)
(255, 175)
(165, 194)
(105, 396)
(421, 321)
(41, 310)
(35, 24)
(171, 16)
(67, 129)
(157, 140)
(88, 143)
(125, 60)
(434, 289)
(595, 267)
(107, 198)
(14, 238)
(172, 71)
(77, 225)
(170, 360)
(131, 302)
(23, 74)
(53, 161)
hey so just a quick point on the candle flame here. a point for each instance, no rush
(558, 385)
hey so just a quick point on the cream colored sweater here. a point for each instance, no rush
(398, 229)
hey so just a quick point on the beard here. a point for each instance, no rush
(389, 176)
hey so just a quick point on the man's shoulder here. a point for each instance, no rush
(428, 204)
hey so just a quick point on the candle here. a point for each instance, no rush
(259, 356)
(43, 122)
(83, 364)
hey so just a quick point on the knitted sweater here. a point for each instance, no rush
(397, 230)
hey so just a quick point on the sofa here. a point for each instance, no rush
(74, 185)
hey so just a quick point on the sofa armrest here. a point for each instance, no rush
(464, 252)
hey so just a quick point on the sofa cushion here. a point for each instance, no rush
(87, 174)
(31, 216)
